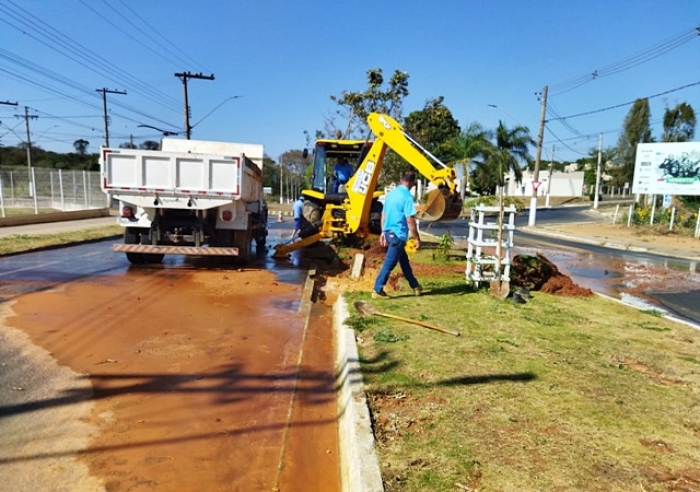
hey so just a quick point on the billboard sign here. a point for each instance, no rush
(667, 168)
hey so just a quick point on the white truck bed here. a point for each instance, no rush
(254, 152)
(171, 175)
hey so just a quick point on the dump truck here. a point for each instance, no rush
(356, 210)
(192, 197)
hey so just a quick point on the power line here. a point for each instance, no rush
(625, 104)
(61, 43)
(192, 60)
(57, 78)
(110, 22)
(551, 110)
(565, 145)
(629, 62)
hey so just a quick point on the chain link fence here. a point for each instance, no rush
(39, 190)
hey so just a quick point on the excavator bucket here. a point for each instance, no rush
(440, 206)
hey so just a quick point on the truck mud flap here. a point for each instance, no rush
(175, 250)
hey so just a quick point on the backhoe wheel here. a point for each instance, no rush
(312, 212)
(375, 217)
(310, 219)
(132, 235)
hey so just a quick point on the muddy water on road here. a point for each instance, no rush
(638, 279)
(198, 382)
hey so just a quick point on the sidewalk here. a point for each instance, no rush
(47, 228)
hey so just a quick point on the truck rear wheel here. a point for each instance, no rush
(260, 245)
(153, 258)
(243, 240)
(133, 236)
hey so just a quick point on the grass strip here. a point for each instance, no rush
(20, 243)
(557, 394)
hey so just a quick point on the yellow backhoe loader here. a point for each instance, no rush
(356, 210)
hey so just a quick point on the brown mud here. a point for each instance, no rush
(200, 380)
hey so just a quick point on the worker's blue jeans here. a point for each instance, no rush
(395, 254)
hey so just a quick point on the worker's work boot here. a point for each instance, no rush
(524, 293)
(418, 291)
(379, 295)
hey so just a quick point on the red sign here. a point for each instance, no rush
(536, 184)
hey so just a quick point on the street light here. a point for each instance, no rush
(166, 133)
(217, 107)
(506, 112)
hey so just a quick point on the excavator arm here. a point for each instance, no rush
(441, 204)
(352, 216)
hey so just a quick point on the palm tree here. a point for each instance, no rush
(509, 154)
(470, 145)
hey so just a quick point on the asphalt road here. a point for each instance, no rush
(173, 376)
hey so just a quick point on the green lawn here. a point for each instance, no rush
(20, 243)
(559, 394)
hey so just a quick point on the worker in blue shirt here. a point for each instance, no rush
(398, 224)
(342, 172)
(297, 212)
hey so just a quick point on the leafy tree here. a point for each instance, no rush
(434, 128)
(635, 129)
(149, 145)
(294, 170)
(355, 107)
(81, 146)
(679, 123)
(589, 166)
(271, 174)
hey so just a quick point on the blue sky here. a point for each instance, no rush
(286, 58)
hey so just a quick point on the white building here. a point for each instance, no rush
(568, 184)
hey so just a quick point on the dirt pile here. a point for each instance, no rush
(538, 273)
(533, 272)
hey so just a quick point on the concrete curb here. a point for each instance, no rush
(359, 465)
(667, 316)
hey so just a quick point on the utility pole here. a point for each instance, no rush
(597, 172)
(26, 117)
(185, 76)
(536, 174)
(281, 185)
(549, 179)
(8, 103)
(104, 92)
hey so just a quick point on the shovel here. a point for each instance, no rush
(367, 309)
(498, 288)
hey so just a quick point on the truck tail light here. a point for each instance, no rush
(127, 212)
(226, 215)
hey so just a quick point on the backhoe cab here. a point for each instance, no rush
(356, 210)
